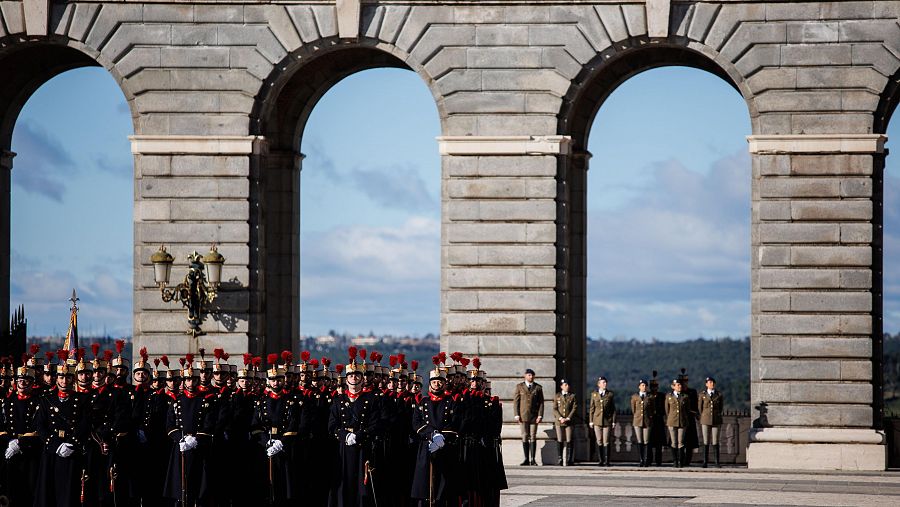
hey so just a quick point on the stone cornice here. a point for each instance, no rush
(504, 145)
(817, 435)
(195, 145)
(817, 143)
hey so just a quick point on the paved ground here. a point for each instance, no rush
(630, 486)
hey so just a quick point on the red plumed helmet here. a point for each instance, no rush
(219, 353)
(464, 361)
(34, 349)
(304, 356)
(287, 356)
(181, 361)
(248, 358)
(314, 363)
(401, 358)
(352, 352)
(257, 361)
(107, 355)
(272, 358)
(120, 346)
(202, 352)
(143, 353)
(392, 361)
(456, 356)
(476, 363)
(49, 355)
(436, 359)
(79, 354)
(362, 354)
(339, 368)
(326, 362)
(62, 354)
(373, 357)
(442, 356)
(225, 355)
(156, 362)
(95, 349)
(165, 360)
(189, 358)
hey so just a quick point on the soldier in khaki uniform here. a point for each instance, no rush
(528, 407)
(678, 414)
(643, 406)
(564, 407)
(710, 404)
(602, 418)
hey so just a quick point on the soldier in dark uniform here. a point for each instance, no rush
(495, 445)
(63, 425)
(246, 482)
(277, 422)
(710, 406)
(658, 432)
(18, 435)
(354, 419)
(565, 406)
(691, 440)
(528, 409)
(142, 440)
(189, 423)
(436, 425)
(643, 408)
(602, 418)
(678, 416)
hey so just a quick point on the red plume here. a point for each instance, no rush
(373, 356)
(62, 354)
(49, 355)
(443, 357)
(143, 353)
(272, 358)
(314, 363)
(339, 368)
(257, 361)
(352, 352)
(107, 355)
(226, 355)
(202, 352)
(219, 353)
(401, 358)
(182, 361)
(456, 356)
(34, 349)
(189, 358)
(165, 361)
(248, 358)
(304, 356)
(95, 349)
(362, 354)
(287, 357)
(392, 360)
(156, 363)
(464, 361)
(25, 357)
(120, 346)
(436, 359)
(476, 363)
(326, 362)
(79, 354)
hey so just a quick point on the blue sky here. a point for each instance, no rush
(668, 208)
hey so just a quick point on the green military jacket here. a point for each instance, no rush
(564, 405)
(603, 408)
(643, 409)
(711, 408)
(678, 410)
(528, 404)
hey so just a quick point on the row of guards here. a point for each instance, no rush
(203, 431)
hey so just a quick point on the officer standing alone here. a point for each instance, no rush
(528, 407)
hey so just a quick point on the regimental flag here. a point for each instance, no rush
(71, 343)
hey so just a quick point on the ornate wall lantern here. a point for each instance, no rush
(199, 287)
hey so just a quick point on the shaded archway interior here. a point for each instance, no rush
(280, 116)
(590, 89)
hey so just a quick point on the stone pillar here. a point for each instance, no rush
(191, 192)
(6, 163)
(279, 249)
(812, 303)
(503, 286)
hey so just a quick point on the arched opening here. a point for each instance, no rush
(668, 232)
(368, 195)
(67, 191)
(598, 82)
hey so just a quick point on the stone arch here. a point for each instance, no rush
(589, 90)
(279, 117)
(26, 65)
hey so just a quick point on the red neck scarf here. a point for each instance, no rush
(273, 394)
(435, 397)
(353, 396)
(190, 394)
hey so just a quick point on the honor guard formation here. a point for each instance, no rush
(206, 432)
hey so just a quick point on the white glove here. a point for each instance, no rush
(438, 440)
(518, 418)
(592, 425)
(9, 453)
(142, 437)
(65, 450)
(191, 441)
(433, 447)
(351, 439)
(182, 445)
(14, 446)
(274, 447)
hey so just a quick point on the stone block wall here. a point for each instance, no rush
(220, 92)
